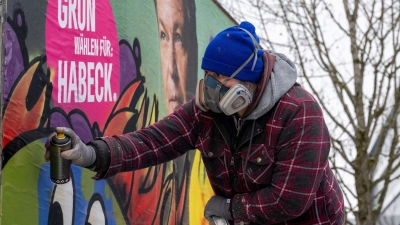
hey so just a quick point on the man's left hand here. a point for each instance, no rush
(217, 206)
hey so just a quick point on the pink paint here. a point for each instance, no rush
(83, 55)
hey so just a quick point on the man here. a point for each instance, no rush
(262, 137)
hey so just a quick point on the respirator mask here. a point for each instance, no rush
(212, 95)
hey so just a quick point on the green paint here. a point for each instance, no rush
(20, 180)
(87, 184)
(138, 19)
(210, 20)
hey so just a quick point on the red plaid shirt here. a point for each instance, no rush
(283, 177)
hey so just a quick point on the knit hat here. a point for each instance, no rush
(230, 49)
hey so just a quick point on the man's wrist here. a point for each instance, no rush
(102, 152)
(93, 166)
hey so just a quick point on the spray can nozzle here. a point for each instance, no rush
(59, 168)
(60, 135)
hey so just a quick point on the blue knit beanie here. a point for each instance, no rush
(230, 48)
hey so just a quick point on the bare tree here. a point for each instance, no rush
(347, 54)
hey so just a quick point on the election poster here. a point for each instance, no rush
(101, 68)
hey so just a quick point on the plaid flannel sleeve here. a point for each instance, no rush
(163, 141)
(301, 157)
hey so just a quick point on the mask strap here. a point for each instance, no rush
(217, 92)
(256, 48)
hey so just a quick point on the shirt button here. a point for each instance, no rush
(259, 159)
(210, 154)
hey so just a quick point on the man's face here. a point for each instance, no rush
(173, 54)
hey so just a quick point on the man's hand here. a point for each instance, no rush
(80, 154)
(217, 206)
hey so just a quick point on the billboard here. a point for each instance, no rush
(101, 67)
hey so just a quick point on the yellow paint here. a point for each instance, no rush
(200, 191)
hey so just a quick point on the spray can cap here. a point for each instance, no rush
(60, 135)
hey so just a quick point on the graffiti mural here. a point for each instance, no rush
(89, 76)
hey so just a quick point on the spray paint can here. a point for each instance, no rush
(60, 168)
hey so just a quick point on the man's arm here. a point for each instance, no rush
(163, 141)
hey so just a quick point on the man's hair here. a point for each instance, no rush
(189, 41)
(251, 87)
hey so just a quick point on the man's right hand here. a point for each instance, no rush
(80, 154)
